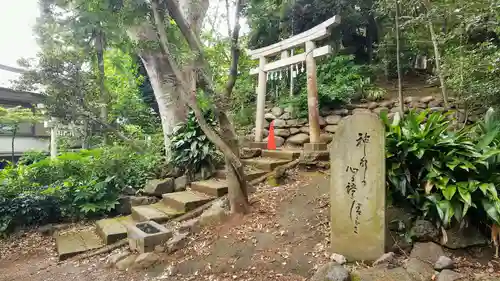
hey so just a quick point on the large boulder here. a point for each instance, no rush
(428, 252)
(426, 99)
(424, 231)
(180, 183)
(294, 131)
(269, 116)
(280, 123)
(326, 137)
(331, 128)
(277, 139)
(298, 139)
(333, 119)
(277, 111)
(125, 203)
(282, 132)
(331, 272)
(321, 122)
(465, 237)
(388, 104)
(419, 270)
(435, 103)
(341, 112)
(443, 262)
(286, 116)
(159, 187)
(302, 121)
(292, 123)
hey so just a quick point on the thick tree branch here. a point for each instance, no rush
(190, 95)
(235, 50)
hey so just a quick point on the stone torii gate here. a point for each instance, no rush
(283, 47)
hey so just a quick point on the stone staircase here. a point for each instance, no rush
(109, 231)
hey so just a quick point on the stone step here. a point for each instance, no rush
(212, 187)
(281, 154)
(157, 212)
(250, 174)
(72, 243)
(266, 164)
(185, 200)
(112, 230)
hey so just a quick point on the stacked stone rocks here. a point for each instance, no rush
(294, 132)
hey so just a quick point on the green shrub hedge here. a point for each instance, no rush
(73, 186)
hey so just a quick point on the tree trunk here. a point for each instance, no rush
(99, 45)
(14, 132)
(437, 58)
(227, 140)
(400, 90)
(173, 109)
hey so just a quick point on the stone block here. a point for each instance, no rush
(261, 145)
(159, 186)
(277, 111)
(282, 132)
(333, 119)
(298, 139)
(331, 128)
(144, 236)
(269, 116)
(180, 183)
(280, 123)
(315, 146)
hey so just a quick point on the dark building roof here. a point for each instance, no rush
(14, 96)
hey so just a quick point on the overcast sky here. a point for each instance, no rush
(16, 22)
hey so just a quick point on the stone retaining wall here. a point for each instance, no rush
(293, 132)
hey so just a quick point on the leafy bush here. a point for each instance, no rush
(441, 173)
(190, 148)
(27, 209)
(340, 81)
(33, 156)
(77, 184)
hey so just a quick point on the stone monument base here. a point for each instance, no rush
(261, 145)
(315, 147)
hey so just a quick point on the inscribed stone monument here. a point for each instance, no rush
(357, 188)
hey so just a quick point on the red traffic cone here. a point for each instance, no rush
(271, 142)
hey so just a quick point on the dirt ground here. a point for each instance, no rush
(282, 239)
(285, 237)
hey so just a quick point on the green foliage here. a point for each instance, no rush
(340, 81)
(27, 209)
(473, 73)
(32, 156)
(190, 148)
(441, 173)
(79, 184)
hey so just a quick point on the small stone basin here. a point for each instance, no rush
(145, 236)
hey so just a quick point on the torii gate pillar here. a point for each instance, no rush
(308, 39)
